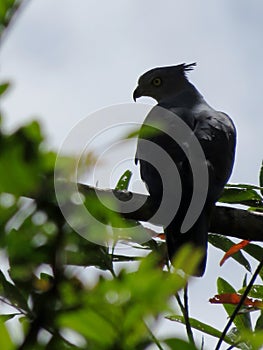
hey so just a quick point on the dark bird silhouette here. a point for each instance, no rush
(179, 100)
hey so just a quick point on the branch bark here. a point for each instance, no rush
(226, 221)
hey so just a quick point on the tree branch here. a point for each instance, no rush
(226, 221)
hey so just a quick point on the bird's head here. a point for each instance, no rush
(163, 81)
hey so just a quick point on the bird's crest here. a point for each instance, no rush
(188, 67)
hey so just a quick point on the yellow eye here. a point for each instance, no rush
(157, 81)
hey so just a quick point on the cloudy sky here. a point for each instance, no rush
(67, 59)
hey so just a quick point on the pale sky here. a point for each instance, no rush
(67, 59)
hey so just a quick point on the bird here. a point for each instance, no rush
(215, 132)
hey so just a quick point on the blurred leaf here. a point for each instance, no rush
(200, 326)
(119, 306)
(225, 244)
(255, 339)
(242, 321)
(124, 181)
(90, 323)
(3, 88)
(21, 161)
(187, 259)
(32, 131)
(9, 291)
(176, 344)
(258, 209)
(259, 323)
(7, 10)
(84, 253)
(5, 340)
(7, 317)
(236, 338)
(146, 131)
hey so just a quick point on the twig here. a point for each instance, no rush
(154, 339)
(21, 311)
(239, 305)
(185, 312)
(232, 346)
(186, 316)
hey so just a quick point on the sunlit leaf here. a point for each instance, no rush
(255, 339)
(7, 317)
(5, 340)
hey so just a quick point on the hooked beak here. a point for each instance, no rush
(137, 93)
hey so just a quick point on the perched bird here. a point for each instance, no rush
(214, 131)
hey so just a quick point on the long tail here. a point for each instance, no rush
(197, 236)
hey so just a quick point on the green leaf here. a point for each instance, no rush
(224, 243)
(7, 11)
(3, 88)
(200, 326)
(120, 305)
(187, 259)
(90, 324)
(12, 293)
(176, 344)
(255, 292)
(236, 338)
(7, 317)
(242, 321)
(256, 252)
(124, 181)
(255, 339)
(233, 195)
(259, 323)
(21, 168)
(258, 209)
(5, 340)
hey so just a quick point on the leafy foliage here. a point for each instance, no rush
(41, 247)
(8, 9)
(43, 286)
